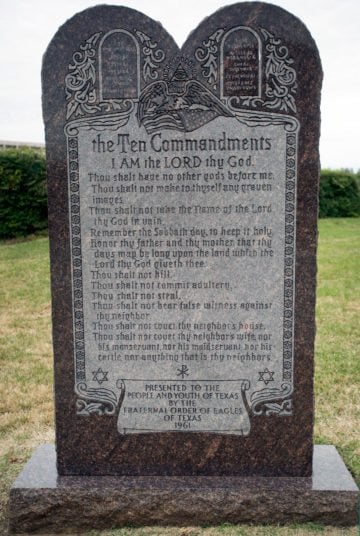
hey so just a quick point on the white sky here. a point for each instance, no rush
(27, 26)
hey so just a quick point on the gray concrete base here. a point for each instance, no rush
(41, 502)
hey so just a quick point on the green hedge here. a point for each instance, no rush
(23, 200)
(23, 206)
(339, 194)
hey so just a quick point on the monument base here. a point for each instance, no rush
(41, 502)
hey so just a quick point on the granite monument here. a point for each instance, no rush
(183, 190)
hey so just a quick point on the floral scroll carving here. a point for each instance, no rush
(280, 75)
(80, 82)
(208, 56)
(152, 56)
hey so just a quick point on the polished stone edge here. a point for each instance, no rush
(41, 502)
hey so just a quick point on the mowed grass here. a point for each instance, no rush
(26, 407)
(337, 378)
(26, 387)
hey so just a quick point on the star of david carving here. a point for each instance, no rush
(266, 376)
(100, 375)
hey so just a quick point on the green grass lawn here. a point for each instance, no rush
(337, 378)
(26, 414)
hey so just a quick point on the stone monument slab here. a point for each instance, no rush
(183, 195)
(183, 190)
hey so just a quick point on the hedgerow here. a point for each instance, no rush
(23, 199)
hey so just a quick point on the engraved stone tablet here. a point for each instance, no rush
(183, 207)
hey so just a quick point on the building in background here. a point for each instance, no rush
(6, 144)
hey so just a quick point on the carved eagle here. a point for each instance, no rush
(185, 108)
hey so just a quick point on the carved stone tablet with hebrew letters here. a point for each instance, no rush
(183, 207)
